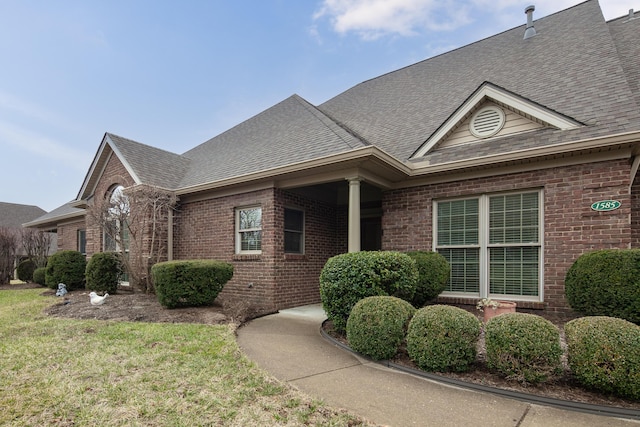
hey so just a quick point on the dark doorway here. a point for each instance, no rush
(371, 234)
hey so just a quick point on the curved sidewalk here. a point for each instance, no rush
(289, 345)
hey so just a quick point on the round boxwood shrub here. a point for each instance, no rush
(25, 270)
(433, 276)
(377, 326)
(604, 354)
(103, 272)
(66, 267)
(606, 283)
(39, 276)
(190, 283)
(523, 347)
(347, 278)
(443, 338)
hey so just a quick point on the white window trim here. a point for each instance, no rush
(483, 228)
(239, 250)
(303, 233)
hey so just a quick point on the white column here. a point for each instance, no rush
(354, 215)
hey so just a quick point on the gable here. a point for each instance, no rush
(513, 122)
(515, 114)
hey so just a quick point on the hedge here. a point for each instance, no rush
(606, 283)
(443, 338)
(190, 283)
(66, 267)
(604, 354)
(103, 272)
(433, 276)
(347, 278)
(523, 347)
(377, 326)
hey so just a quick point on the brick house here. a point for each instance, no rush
(491, 154)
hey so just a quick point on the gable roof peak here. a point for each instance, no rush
(488, 91)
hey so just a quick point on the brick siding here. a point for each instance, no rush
(571, 228)
(271, 280)
(68, 235)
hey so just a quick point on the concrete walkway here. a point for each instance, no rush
(289, 345)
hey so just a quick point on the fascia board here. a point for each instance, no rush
(562, 148)
(53, 220)
(123, 160)
(92, 169)
(353, 156)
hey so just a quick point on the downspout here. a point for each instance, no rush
(170, 236)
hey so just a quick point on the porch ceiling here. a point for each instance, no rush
(337, 192)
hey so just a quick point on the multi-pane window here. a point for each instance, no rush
(249, 230)
(293, 231)
(493, 244)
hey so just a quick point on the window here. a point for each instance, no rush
(493, 243)
(293, 231)
(82, 241)
(249, 230)
(115, 228)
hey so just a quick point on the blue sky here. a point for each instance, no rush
(174, 74)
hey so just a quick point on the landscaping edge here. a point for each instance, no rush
(609, 411)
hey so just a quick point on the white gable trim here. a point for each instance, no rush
(489, 91)
(98, 165)
(124, 162)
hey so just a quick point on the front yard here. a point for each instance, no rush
(118, 373)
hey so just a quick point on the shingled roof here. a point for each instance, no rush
(13, 215)
(571, 66)
(578, 67)
(289, 132)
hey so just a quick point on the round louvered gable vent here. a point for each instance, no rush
(487, 122)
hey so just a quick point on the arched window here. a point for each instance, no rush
(116, 232)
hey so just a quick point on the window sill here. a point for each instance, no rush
(247, 257)
(295, 257)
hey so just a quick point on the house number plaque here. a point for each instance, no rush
(606, 205)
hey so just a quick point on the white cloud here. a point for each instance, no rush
(371, 19)
(374, 18)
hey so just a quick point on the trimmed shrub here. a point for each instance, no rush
(103, 272)
(25, 270)
(66, 267)
(604, 354)
(443, 338)
(523, 347)
(377, 326)
(190, 283)
(606, 283)
(40, 276)
(347, 278)
(433, 276)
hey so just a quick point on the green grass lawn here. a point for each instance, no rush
(69, 372)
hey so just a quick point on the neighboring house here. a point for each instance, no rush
(491, 154)
(13, 215)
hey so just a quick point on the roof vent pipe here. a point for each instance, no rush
(530, 31)
(630, 14)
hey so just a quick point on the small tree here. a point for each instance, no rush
(134, 222)
(36, 244)
(8, 247)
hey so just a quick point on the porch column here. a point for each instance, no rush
(354, 215)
